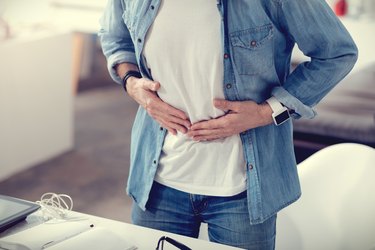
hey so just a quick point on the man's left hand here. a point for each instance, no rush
(239, 117)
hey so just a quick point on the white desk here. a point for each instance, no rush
(142, 238)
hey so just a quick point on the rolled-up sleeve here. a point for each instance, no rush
(115, 38)
(320, 35)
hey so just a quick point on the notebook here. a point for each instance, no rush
(62, 235)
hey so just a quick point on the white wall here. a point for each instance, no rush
(36, 116)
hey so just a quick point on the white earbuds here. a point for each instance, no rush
(55, 205)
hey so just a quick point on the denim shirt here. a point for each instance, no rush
(258, 37)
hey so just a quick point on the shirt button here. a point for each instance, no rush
(251, 166)
(253, 43)
(154, 161)
(139, 40)
(152, 7)
(226, 56)
(228, 86)
(161, 128)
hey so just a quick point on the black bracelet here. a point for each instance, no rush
(129, 74)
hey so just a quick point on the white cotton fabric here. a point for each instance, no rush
(184, 53)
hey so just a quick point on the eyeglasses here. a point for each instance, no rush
(171, 241)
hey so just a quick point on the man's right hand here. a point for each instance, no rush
(143, 91)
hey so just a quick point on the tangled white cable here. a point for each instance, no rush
(55, 205)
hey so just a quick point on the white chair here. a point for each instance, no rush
(337, 207)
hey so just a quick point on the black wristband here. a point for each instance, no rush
(129, 74)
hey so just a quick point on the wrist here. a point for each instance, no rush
(280, 113)
(128, 75)
(265, 112)
(130, 83)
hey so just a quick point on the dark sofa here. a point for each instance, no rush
(346, 114)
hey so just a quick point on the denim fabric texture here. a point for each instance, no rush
(228, 219)
(258, 36)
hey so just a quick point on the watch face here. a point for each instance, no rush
(282, 117)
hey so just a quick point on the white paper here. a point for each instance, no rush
(62, 235)
(95, 239)
(38, 236)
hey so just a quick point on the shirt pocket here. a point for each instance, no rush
(253, 49)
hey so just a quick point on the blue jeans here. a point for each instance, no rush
(227, 218)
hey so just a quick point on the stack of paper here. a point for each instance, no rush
(72, 235)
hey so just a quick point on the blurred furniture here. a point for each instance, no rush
(4, 29)
(52, 52)
(347, 113)
(25, 20)
(336, 210)
(90, 66)
(36, 112)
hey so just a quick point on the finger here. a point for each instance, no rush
(206, 138)
(203, 132)
(150, 85)
(185, 123)
(210, 124)
(210, 132)
(225, 104)
(175, 127)
(158, 113)
(156, 104)
(211, 137)
(159, 109)
(178, 127)
(174, 119)
(170, 130)
(168, 109)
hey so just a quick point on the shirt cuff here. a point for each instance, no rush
(300, 110)
(117, 58)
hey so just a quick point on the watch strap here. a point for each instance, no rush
(280, 113)
(275, 105)
(130, 73)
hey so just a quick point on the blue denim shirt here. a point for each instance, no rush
(258, 36)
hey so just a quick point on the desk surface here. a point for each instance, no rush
(143, 238)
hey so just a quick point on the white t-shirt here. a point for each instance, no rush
(184, 53)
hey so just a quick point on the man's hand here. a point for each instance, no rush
(239, 117)
(143, 91)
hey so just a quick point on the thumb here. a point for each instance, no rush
(224, 104)
(151, 85)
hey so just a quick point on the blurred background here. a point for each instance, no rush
(65, 126)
